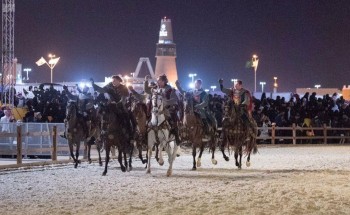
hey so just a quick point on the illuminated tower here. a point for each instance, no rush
(166, 52)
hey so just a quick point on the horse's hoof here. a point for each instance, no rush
(214, 161)
(130, 168)
(194, 168)
(144, 161)
(199, 163)
(227, 158)
(123, 169)
(104, 173)
(90, 161)
(79, 161)
(169, 172)
(148, 171)
(177, 155)
(75, 165)
(161, 163)
(100, 163)
(248, 163)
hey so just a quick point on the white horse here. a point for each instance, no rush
(159, 134)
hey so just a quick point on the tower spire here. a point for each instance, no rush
(166, 52)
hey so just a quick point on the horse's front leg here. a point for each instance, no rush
(201, 149)
(120, 159)
(236, 158)
(160, 149)
(71, 150)
(108, 148)
(149, 154)
(130, 158)
(172, 156)
(90, 142)
(248, 160)
(238, 152)
(98, 147)
(77, 161)
(222, 149)
(212, 147)
(194, 151)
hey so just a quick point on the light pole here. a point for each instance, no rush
(213, 87)
(262, 83)
(52, 63)
(234, 81)
(127, 80)
(275, 85)
(255, 62)
(317, 86)
(27, 70)
(192, 75)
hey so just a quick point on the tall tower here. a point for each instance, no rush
(8, 69)
(166, 52)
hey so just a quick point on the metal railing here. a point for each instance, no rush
(324, 134)
(43, 139)
(33, 139)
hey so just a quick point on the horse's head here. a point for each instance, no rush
(71, 110)
(188, 103)
(138, 109)
(157, 103)
(231, 110)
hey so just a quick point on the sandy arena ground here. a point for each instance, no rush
(281, 180)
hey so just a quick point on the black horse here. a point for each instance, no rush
(237, 135)
(114, 133)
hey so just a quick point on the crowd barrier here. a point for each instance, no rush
(23, 140)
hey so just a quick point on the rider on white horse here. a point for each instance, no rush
(170, 101)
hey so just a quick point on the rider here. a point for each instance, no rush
(241, 98)
(84, 101)
(118, 92)
(201, 101)
(170, 101)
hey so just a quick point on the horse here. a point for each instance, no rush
(159, 134)
(74, 130)
(113, 133)
(94, 125)
(139, 110)
(192, 122)
(235, 134)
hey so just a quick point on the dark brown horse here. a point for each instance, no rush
(193, 124)
(74, 131)
(94, 125)
(236, 135)
(139, 110)
(114, 133)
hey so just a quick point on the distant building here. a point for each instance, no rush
(166, 52)
(346, 92)
(318, 91)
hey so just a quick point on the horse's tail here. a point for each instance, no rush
(251, 147)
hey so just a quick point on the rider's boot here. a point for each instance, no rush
(63, 135)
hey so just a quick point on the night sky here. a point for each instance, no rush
(303, 42)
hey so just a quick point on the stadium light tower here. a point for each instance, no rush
(262, 83)
(234, 81)
(27, 70)
(255, 61)
(317, 86)
(213, 87)
(275, 85)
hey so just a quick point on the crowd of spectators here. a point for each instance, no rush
(42, 105)
(310, 110)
